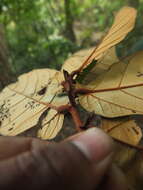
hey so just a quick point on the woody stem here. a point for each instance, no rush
(75, 115)
(69, 87)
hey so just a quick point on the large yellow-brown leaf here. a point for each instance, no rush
(104, 53)
(119, 91)
(124, 22)
(125, 130)
(25, 103)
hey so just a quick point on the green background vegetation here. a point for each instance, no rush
(43, 33)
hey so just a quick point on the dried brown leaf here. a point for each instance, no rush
(104, 53)
(125, 130)
(23, 103)
(117, 92)
(122, 25)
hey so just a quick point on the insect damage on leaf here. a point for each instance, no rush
(23, 103)
(124, 129)
(42, 91)
(139, 74)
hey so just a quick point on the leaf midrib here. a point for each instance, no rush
(114, 89)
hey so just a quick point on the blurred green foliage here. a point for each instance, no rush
(35, 29)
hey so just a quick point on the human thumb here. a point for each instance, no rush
(78, 163)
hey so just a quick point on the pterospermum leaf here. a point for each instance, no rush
(23, 103)
(117, 92)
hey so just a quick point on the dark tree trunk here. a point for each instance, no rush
(134, 3)
(6, 75)
(69, 32)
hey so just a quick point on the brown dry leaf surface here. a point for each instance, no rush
(25, 104)
(76, 60)
(103, 64)
(109, 57)
(105, 52)
(123, 129)
(122, 25)
(117, 92)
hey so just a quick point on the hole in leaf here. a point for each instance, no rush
(42, 91)
(10, 129)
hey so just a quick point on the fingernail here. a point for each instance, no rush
(94, 144)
